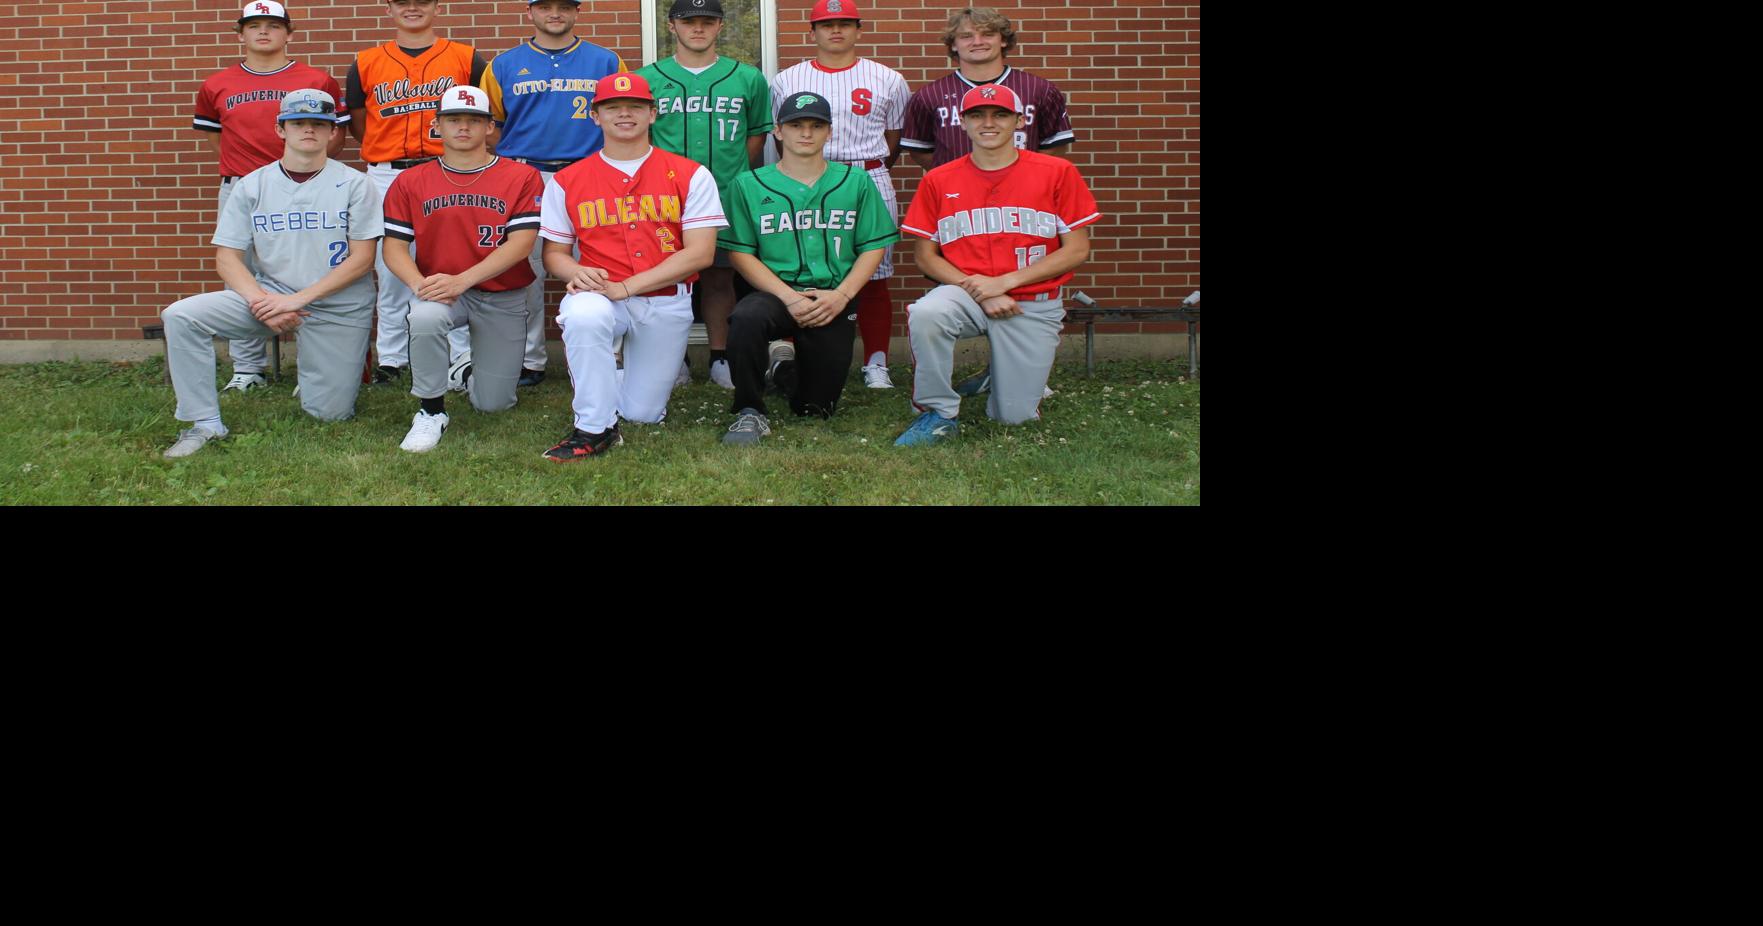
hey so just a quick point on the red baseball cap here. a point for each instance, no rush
(834, 9)
(991, 95)
(622, 87)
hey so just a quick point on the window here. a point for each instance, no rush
(749, 32)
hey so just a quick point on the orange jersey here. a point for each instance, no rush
(403, 94)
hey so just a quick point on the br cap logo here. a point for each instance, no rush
(466, 97)
(260, 6)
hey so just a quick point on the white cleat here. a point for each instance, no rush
(459, 374)
(191, 440)
(245, 382)
(875, 376)
(719, 374)
(425, 432)
(685, 374)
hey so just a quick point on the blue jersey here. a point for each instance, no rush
(540, 99)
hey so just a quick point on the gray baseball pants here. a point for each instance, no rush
(1022, 352)
(498, 339)
(330, 355)
(250, 355)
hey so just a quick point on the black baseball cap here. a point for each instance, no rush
(804, 106)
(685, 9)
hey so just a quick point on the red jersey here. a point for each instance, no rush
(994, 222)
(241, 104)
(627, 224)
(457, 217)
(933, 116)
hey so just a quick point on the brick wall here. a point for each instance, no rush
(109, 193)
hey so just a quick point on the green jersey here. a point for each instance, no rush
(708, 117)
(809, 236)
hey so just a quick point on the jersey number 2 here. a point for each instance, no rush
(339, 250)
(581, 108)
(665, 236)
(491, 236)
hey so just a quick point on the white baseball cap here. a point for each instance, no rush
(260, 9)
(308, 104)
(465, 100)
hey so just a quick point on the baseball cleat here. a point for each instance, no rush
(929, 428)
(1046, 392)
(978, 384)
(685, 374)
(425, 432)
(875, 376)
(383, 375)
(190, 441)
(719, 375)
(459, 374)
(245, 382)
(531, 377)
(580, 444)
(747, 429)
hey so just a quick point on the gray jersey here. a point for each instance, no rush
(301, 230)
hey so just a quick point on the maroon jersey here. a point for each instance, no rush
(994, 222)
(933, 117)
(241, 104)
(458, 217)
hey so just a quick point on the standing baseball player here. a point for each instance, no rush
(393, 92)
(645, 222)
(807, 234)
(239, 105)
(871, 99)
(715, 111)
(978, 39)
(539, 93)
(1002, 229)
(473, 217)
(313, 224)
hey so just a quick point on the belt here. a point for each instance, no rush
(676, 289)
(404, 165)
(226, 180)
(1043, 297)
(866, 165)
(549, 167)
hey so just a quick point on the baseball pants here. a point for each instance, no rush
(330, 355)
(250, 355)
(497, 326)
(393, 343)
(875, 306)
(823, 355)
(654, 329)
(1022, 352)
(535, 358)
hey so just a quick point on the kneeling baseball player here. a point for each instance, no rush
(646, 223)
(1002, 229)
(808, 235)
(313, 224)
(473, 217)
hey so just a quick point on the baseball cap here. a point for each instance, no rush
(804, 106)
(466, 99)
(531, 2)
(991, 95)
(261, 9)
(834, 9)
(308, 104)
(624, 87)
(683, 9)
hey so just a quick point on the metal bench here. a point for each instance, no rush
(1087, 311)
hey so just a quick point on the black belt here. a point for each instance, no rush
(230, 179)
(549, 167)
(866, 165)
(405, 165)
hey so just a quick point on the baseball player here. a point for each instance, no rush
(807, 234)
(871, 99)
(715, 111)
(313, 224)
(475, 216)
(645, 221)
(405, 79)
(978, 39)
(239, 105)
(539, 93)
(1002, 229)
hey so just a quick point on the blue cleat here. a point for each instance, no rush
(978, 384)
(929, 428)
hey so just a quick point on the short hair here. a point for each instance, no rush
(982, 17)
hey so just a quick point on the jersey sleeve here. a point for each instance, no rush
(920, 220)
(1057, 131)
(207, 113)
(367, 218)
(875, 227)
(919, 129)
(492, 87)
(896, 99)
(555, 222)
(399, 218)
(478, 67)
(232, 229)
(741, 234)
(703, 208)
(353, 95)
(524, 211)
(1076, 204)
(759, 122)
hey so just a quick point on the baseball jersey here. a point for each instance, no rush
(301, 230)
(994, 222)
(629, 216)
(809, 236)
(867, 98)
(708, 117)
(540, 99)
(459, 217)
(241, 104)
(400, 95)
(933, 117)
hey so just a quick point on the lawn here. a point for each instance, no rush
(92, 434)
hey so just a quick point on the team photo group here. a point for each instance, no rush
(637, 190)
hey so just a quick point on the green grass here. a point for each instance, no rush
(92, 434)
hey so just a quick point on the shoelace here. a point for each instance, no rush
(745, 423)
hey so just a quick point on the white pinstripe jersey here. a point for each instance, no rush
(867, 98)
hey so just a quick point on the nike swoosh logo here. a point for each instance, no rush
(940, 431)
(341, 184)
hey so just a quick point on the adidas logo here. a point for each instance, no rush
(766, 201)
(523, 72)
